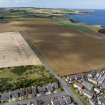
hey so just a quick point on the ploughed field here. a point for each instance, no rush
(66, 49)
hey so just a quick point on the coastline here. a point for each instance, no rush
(88, 18)
(100, 27)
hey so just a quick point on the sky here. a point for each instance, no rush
(72, 4)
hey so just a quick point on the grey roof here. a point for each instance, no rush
(102, 100)
(87, 85)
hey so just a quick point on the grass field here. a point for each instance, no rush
(83, 99)
(67, 49)
(24, 76)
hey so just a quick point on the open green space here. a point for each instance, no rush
(24, 76)
(83, 99)
(24, 14)
(76, 26)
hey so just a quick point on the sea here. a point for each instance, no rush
(91, 17)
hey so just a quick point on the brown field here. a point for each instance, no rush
(66, 50)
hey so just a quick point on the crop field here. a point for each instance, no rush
(67, 49)
(14, 51)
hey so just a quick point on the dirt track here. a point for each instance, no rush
(67, 50)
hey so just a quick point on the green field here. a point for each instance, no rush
(83, 99)
(24, 76)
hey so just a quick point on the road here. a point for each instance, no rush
(62, 82)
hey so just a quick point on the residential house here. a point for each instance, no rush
(79, 86)
(97, 90)
(87, 85)
(101, 100)
(92, 102)
(93, 80)
(101, 80)
(88, 94)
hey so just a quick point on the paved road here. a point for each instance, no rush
(63, 83)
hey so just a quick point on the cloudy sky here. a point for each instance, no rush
(91, 4)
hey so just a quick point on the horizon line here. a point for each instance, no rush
(54, 8)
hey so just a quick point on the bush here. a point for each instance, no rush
(102, 31)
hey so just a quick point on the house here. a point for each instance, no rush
(101, 80)
(88, 94)
(93, 80)
(70, 79)
(97, 90)
(87, 85)
(42, 89)
(101, 100)
(90, 75)
(14, 95)
(4, 97)
(103, 85)
(61, 100)
(92, 102)
(49, 87)
(55, 85)
(78, 77)
(34, 92)
(101, 77)
(79, 86)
